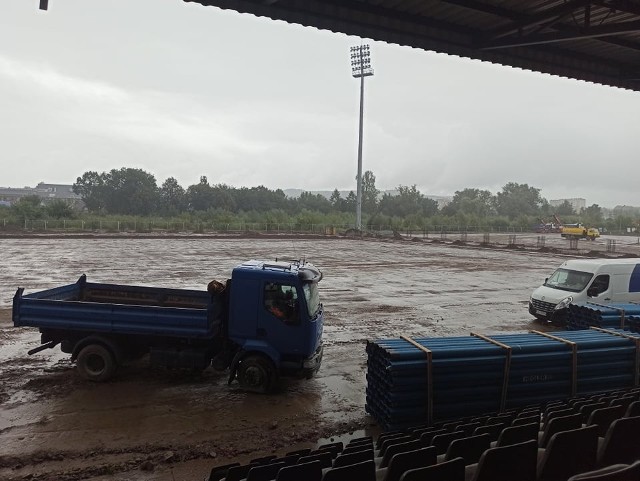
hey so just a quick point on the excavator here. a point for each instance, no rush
(546, 227)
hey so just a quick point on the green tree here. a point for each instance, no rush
(260, 198)
(132, 192)
(173, 198)
(408, 201)
(518, 199)
(592, 215)
(224, 197)
(337, 202)
(91, 187)
(565, 209)
(314, 202)
(349, 204)
(476, 202)
(200, 196)
(28, 208)
(59, 209)
(369, 192)
(121, 191)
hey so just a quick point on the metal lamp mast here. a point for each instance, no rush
(360, 68)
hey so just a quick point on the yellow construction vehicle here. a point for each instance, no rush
(579, 231)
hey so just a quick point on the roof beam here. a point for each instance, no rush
(486, 8)
(549, 15)
(579, 34)
(619, 5)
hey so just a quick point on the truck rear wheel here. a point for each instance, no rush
(257, 374)
(95, 363)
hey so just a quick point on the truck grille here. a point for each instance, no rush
(546, 307)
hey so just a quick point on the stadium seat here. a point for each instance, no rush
(518, 434)
(219, 472)
(568, 453)
(325, 458)
(446, 471)
(603, 418)
(469, 448)
(563, 423)
(394, 449)
(493, 430)
(264, 472)
(633, 410)
(405, 461)
(621, 443)
(353, 458)
(507, 463)
(526, 420)
(364, 471)
(587, 409)
(441, 441)
(237, 473)
(427, 437)
(616, 472)
(311, 471)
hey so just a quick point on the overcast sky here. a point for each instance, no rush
(181, 90)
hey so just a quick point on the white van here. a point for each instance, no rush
(601, 281)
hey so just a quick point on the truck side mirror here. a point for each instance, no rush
(592, 292)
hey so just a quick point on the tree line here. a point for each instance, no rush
(134, 192)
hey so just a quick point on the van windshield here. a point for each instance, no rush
(569, 280)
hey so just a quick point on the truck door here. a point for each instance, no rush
(279, 318)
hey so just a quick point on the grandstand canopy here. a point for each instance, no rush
(596, 41)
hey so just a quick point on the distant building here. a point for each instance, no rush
(578, 204)
(627, 210)
(47, 192)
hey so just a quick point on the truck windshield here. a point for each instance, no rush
(569, 280)
(312, 296)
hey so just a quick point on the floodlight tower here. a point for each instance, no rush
(360, 68)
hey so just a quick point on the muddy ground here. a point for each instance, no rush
(156, 424)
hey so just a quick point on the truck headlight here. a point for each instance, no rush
(564, 303)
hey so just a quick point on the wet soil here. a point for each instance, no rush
(156, 424)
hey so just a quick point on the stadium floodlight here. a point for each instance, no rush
(360, 68)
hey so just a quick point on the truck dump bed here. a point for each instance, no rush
(121, 309)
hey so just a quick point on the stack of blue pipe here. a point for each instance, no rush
(467, 373)
(632, 323)
(583, 315)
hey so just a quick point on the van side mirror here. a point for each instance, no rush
(592, 292)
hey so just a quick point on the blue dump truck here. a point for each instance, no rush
(263, 323)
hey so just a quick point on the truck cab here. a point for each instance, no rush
(275, 319)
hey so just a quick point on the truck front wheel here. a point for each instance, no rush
(257, 374)
(95, 363)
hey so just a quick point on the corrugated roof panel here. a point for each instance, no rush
(546, 31)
